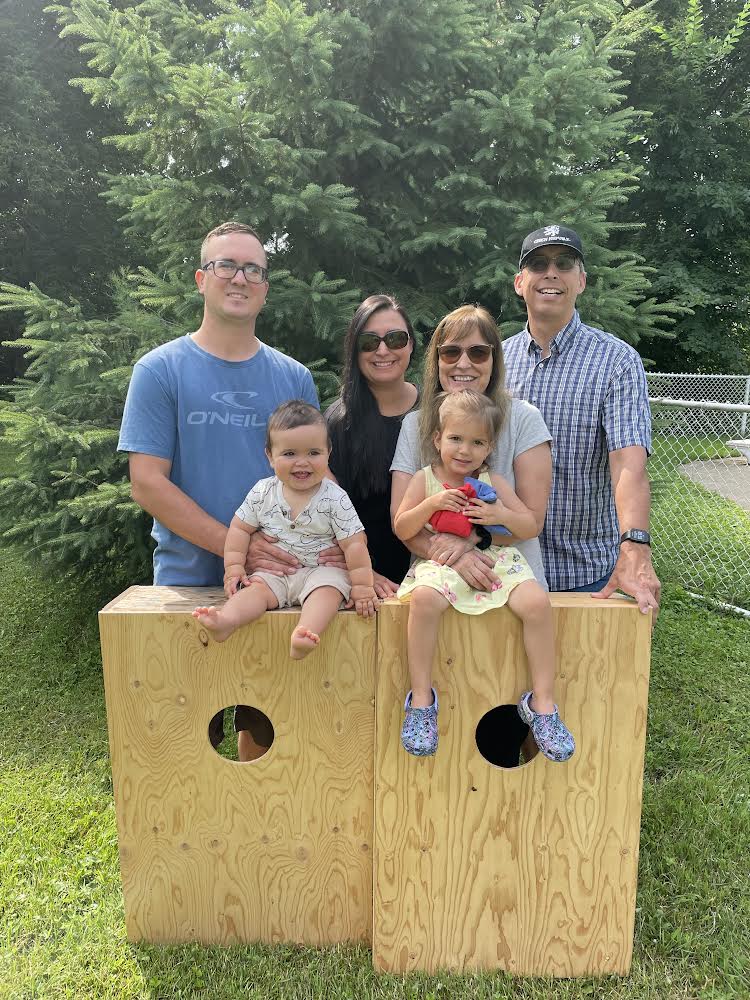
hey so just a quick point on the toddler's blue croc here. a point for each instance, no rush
(550, 733)
(419, 733)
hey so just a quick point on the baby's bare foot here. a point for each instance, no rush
(303, 642)
(213, 620)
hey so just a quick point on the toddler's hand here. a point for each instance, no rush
(479, 512)
(365, 600)
(453, 500)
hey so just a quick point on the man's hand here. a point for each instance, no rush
(365, 600)
(384, 587)
(332, 556)
(634, 575)
(265, 553)
(476, 569)
(446, 549)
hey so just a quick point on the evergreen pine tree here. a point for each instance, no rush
(377, 147)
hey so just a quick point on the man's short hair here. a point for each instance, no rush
(224, 230)
(295, 413)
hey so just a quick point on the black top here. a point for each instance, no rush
(389, 556)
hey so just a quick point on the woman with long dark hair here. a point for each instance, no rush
(365, 423)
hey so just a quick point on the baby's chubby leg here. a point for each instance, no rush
(245, 606)
(319, 608)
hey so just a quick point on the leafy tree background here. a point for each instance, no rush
(405, 147)
(54, 228)
(691, 73)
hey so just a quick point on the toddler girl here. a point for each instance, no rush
(469, 424)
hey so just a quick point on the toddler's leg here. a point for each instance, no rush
(319, 608)
(245, 606)
(529, 602)
(426, 607)
(537, 707)
(419, 730)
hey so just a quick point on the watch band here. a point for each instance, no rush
(636, 535)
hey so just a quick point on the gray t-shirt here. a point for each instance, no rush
(523, 429)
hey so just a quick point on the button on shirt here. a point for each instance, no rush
(592, 393)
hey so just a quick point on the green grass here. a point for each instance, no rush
(60, 897)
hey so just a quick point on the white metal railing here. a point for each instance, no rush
(704, 388)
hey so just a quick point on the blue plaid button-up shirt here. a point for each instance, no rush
(592, 393)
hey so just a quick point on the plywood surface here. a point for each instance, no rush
(279, 849)
(531, 869)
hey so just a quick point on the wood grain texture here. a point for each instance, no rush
(531, 869)
(211, 850)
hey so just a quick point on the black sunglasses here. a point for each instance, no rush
(394, 340)
(478, 353)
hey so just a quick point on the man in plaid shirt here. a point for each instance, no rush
(591, 389)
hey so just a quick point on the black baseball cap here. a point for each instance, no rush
(558, 235)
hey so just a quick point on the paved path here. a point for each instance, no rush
(729, 477)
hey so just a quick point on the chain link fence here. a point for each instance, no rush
(701, 485)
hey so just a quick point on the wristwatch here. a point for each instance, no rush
(636, 535)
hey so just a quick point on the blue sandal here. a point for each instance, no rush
(419, 733)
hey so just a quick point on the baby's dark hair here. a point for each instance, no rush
(295, 413)
(472, 405)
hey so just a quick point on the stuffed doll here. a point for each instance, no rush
(454, 522)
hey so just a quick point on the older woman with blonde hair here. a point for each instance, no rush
(465, 352)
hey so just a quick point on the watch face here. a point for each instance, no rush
(636, 535)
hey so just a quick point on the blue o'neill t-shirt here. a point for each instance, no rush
(208, 417)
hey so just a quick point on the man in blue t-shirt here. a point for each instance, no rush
(195, 416)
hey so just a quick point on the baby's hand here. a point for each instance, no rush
(365, 600)
(234, 574)
(453, 500)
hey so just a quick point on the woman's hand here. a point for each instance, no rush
(476, 569)
(265, 553)
(384, 587)
(365, 600)
(446, 549)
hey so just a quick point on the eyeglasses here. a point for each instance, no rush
(540, 263)
(394, 340)
(226, 270)
(477, 354)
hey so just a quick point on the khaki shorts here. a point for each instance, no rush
(293, 591)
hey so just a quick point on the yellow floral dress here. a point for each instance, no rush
(510, 567)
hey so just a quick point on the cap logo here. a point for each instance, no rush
(551, 230)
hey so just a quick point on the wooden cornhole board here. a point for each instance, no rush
(531, 869)
(216, 851)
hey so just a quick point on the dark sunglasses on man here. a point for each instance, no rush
(394, 340)
(477, 354)
(540, 263)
